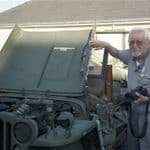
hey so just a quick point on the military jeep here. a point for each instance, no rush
(43, 91)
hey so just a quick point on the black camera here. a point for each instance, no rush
(131, 96)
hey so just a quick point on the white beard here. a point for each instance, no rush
(136, 53)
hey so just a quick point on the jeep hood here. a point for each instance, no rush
(53, 61)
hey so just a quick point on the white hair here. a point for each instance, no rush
(140, 29)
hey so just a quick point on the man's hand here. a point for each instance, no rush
(98, 44)
(102, 44)
(141, 98)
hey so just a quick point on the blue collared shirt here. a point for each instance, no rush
(137, 75)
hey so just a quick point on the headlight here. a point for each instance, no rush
(25, 132)
(22, 132)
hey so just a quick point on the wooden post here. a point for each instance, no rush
(108, 82)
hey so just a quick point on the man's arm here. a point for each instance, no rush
(102, 44)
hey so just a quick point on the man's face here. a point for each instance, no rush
(138, 44)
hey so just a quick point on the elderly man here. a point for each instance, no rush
(137, 57)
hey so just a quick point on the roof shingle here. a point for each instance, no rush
(48, 11)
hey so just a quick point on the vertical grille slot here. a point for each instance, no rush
(1, 135)
(8, 136)
(5, 135)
